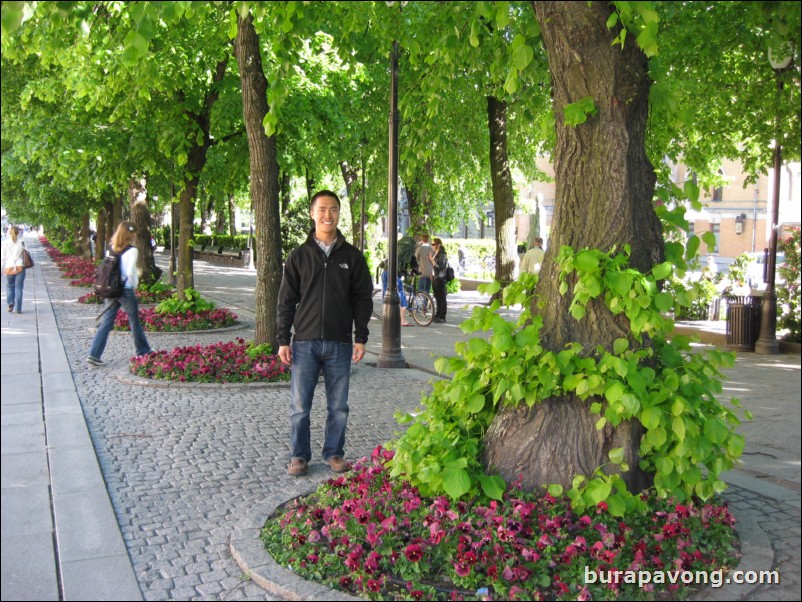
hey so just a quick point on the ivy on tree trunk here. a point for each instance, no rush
(605, 185)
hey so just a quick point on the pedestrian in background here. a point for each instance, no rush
(122, 243)
(533, 260)
(325, 295)
(439, 262)
(424, 265)
(13, 269)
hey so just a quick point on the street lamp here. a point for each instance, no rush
(363, 144)
(391, 355)
(767, 340)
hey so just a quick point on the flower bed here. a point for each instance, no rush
(376, 537)
(231, 362)
(152, 321)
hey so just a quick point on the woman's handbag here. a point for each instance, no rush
(27, 260)
(12, 270)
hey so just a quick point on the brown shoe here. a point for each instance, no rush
(297, 467)
(338, 464)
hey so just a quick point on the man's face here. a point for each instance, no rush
(326, 215)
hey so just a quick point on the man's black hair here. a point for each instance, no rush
(322, 193)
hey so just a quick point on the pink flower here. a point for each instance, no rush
(463, 569)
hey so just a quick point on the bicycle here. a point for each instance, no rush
(420, 304)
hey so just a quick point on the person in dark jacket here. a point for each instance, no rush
(439, 261)
(324, 296)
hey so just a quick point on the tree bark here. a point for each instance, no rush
(264, 180)
(232, 217)
(195, 162)
(86, 248)
(310, 182)
(605, 186)
(140, 216)
(353, 190)
(100, 238)
(503, 199)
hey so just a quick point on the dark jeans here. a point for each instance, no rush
(309, 358)
(14, 285)
(130, 304)
(425, 284)
(439, 289)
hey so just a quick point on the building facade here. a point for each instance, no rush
(738, 214)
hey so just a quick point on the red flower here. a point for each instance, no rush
(414, 553)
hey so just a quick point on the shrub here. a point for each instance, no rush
(788, 295)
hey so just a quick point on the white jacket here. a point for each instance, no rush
(12, 253)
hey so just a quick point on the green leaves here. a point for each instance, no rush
(577, 113)
(670, 391)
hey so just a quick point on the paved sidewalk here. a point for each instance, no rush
(119, 491)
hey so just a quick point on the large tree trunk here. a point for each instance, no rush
(354, 192)
(100, 238)
(605, 185)
(503, 199)
(86, 247)
(140, 216)
(195, 162)
(264, 180)
(310, 182)
(233, 226)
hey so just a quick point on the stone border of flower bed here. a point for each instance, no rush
(250, 555)
(132, 379)
(249, 552)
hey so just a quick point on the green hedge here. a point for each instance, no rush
(239, 241)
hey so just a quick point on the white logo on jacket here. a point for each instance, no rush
(344, 266)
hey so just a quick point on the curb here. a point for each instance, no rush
(141, 381)
(250, 555)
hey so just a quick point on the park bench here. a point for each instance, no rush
(231, 256)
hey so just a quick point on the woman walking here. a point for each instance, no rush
(439, 261)
(122, 244)
(13, 269)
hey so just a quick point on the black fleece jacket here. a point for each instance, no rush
(325, 297)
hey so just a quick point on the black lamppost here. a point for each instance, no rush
(391, 355)
(363, 144)
(767, 340)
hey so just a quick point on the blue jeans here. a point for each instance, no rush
(402, 296)
(425, 284)
(308, 359)
(130, 304)
(14, 285)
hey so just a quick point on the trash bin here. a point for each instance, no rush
(743, 322)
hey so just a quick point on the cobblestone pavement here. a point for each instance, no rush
(184, 464)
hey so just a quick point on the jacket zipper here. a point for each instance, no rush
(323, 303)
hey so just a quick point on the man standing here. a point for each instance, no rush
(533, 259)
(326, 292)
(424, 265)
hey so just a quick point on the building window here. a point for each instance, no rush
(718, 192)
(716, 230)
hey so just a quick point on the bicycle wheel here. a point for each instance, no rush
(378, 304)
(421, 306)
